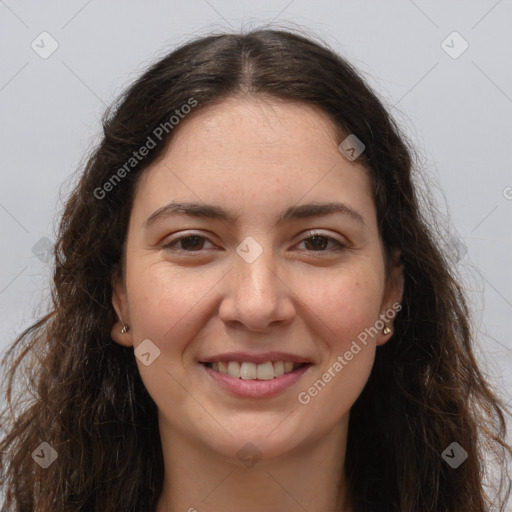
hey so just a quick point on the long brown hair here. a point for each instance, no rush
(425, 390)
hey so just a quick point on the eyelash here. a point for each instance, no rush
(170, 246)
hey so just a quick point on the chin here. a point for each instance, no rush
(259, 443)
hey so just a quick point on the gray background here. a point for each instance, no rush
(456, 111)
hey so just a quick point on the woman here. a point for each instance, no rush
(250, 310)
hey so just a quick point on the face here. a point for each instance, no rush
(201, 291)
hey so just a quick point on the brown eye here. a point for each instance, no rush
(189, 243)
(318, 243)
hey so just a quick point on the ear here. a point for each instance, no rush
(391, 303)
(120, 304)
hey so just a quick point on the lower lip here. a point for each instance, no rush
(256, 388)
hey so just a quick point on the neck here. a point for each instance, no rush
(310, 477)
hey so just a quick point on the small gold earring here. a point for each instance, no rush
(124, 329)
(386, 330)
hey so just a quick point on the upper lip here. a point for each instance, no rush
(255, 358)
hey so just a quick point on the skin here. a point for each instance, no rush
(254, 157)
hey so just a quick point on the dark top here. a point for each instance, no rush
(374, 508)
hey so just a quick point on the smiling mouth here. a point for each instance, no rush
(253, 371)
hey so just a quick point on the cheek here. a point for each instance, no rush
(163, 305)
(347, 303)
(348, 309)
(166, 307)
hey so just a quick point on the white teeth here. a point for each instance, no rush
(251, 371)
(234, 369)
(278, 368)
(265, 371)
(248, 371)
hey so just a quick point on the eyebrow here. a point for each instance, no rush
(210, 211)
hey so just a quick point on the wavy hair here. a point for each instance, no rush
(90, 405)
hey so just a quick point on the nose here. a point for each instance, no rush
(256, 295)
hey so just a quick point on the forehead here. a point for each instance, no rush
(247, 123)
(254, 151)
